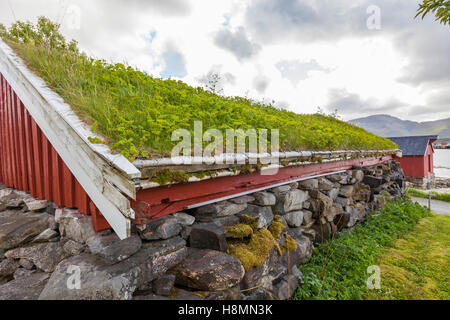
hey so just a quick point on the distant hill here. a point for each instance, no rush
(388, 126)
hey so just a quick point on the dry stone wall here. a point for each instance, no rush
(245, 248)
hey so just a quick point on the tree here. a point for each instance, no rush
(440, 8)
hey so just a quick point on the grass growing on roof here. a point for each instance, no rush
(137, 113)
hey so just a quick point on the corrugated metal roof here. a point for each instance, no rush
(413, 146)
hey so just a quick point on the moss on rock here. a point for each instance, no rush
(239, 231)
(289, 244)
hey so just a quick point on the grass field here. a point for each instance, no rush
(338, 269)
(137, 113)
(418, 265)
(434, 195)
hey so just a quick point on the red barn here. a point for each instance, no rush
(417, 159)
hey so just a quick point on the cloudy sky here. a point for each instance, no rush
(360, 57)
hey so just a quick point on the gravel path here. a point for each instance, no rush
(439, 207)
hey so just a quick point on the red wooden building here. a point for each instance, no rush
(417, 159)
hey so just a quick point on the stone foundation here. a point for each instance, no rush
(422, 182)
(245, 248)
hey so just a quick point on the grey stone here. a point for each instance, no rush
(22, 273)
(333, 193)
(229, 294)
(335, 178)
(45, 256)
(226, 221)
(280, 190)
(265, 199)
(303, 252)
(258, 294)
(325, 184)
(321, 202)
(35, 205)
(307, 217)
(334, 211)
(161, 229)
(311, 184)
(294, 219)
(100, 281)
(344, 201)
(373, 182)
(26, 264)
(16, 228)
(220, 209)
(73, 248)
(208, 270)
(112, 249)
(208, 236)
(8, 267)
(358, 175)
(163, 286)
(184, 219)
(24, 288)
(255, 277)
(290, 201)
(74, 226)
(243, 199)
(46, 235)
(286, 288)
(347, 191)
(264, 215)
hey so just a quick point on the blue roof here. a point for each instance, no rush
(413, 146)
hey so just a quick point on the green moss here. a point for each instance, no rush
(239, 231)
(277, 227)
(254, 252)
(167, 176)
(289, 244)
(251, 221)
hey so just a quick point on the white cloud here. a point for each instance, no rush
(302, 61)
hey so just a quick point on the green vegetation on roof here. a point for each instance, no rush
(137, 113)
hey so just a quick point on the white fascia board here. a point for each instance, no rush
(64, 131)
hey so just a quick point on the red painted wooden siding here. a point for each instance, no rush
(418, 166)
(28, 162)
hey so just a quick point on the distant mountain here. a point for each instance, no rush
(388, 126)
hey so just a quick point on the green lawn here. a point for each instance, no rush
(418, 265)
(338, 268)
(137, 113)
(434, 195)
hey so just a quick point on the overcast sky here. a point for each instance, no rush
(302, 54)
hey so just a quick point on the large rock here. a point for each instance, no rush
(162, 228)
(163, 286)
(74, 226)
(373, 182)
(322, 202)
(36, 205)
(290, 201)
(100, 281)
(220, 209)
(263, 214)
(8, 267)
(46, 235)
(208, 270)
(208, 236)
(184, 219)
(347, 191)
(255, 277)
(112, 249)
(303, 252)
(311, 184)
(294, 219)
(16, 228)
(285, 289)
(24, 288)
(325, 185)
(45, 256)
(358, 175)
(265, 199)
